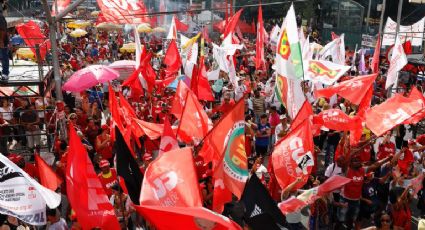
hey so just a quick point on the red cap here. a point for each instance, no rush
(103, 163)
(105, 127)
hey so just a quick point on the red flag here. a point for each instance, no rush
(122, 12)
(180, 26)
(179, 99)
(148, 72)
(393, 111)
(259, 57)
(202, 87)
(168, 138)
(171, 181)
(188, 218)
(193, 124)
(292, 156)
(142, 128)
(352, 90)
(231, 24)
(306, 111)
(61, 5)
(172, 59)
(415, 93)
(225, 147)
(115, 115)
(48, 177)
(221, 196)
(336, 119)
(310, 195)
(84, 190)
(32, 35)
(365, 103)
(133, 82)
(374, 65)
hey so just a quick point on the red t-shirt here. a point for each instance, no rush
(226, 107)
(365, 154)
(105, 152)
(200, 167)
(108, 180)
(386, 150)
(400, 217)
(353, 190)
(404, 161)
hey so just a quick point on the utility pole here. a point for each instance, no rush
(381, 22)
(368, 17)
(52, 20)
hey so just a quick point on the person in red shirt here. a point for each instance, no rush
(226, 105)
(108, 176)
(421, 139)
(200, 166)
(27, 167)
(406, 159)
(386, 147)
(351, 193)
(103, 144)
(82, 118)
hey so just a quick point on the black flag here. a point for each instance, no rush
(261, 211)
(128, 168)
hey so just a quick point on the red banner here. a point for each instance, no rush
(292, 157)
(124, 12)
(336, 119)
(171, 180)
(420, 115)
(392, 112)
(32, 35)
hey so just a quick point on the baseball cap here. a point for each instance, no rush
(103, 163)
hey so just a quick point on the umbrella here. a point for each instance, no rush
(124, 68)
(78, 24)
(78, 33)
(108, 26)
(144, 28)
(159, 30)
(25, 53)
(128, 47)
(89, 77)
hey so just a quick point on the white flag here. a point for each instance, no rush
(23, 197)
(172, 33)
(398, 61)
(335, 49)
(325, 72)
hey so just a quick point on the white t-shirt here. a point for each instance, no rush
(261, 171)
(7, 113)
(60, 225)
(279, 129)
(332, 170)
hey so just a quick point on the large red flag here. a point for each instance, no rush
(179, 99)
(336, 119)
(415, 93)
(188, 218)
(225, 147)
(392, 112)
(259, 57)
(374, 65)
(365, 103)
(84, 190)
(115, 115)
(135, 85)
(124, 12)
(48, 177)
(231, 24)
(202, 89)
(168, 138)
(172, 59)
(171, 181)
(221, 196)
(305, 112)
(194, 122)
(142, 128)
(32, 35)
(353, 89)
(292, 156)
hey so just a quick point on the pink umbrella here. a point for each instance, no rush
(88, 77)
(124, 68)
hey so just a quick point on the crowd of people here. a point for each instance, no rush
(378, 196)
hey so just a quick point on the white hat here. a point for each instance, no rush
(283, 116)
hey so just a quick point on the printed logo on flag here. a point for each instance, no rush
(303, 159)
(284, 48)
(321, 70)
(257, 211)
(235, 160)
